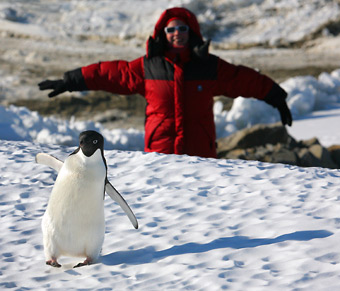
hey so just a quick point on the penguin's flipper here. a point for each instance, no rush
(48, 160)
(114, 194)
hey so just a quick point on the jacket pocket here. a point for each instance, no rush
(151, 128)
(160, 134)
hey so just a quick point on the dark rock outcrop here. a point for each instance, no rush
(272, 143)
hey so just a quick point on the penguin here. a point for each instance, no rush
(74, 222)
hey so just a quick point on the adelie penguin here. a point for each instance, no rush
(74, 222)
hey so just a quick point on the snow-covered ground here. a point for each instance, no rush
(205, 224)
(225, 21)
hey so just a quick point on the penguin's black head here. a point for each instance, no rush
(90, 141)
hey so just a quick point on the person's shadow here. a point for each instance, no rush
(149, 254)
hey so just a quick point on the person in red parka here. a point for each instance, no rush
(178, 78)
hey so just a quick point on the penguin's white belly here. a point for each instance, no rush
(74, 222)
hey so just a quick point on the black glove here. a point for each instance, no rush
(286, 116)
(57, 86)
(277, 98)
(72, 81)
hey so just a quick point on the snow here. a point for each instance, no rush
(227, 21)
(205, 224)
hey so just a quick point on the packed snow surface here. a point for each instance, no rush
(205, 224)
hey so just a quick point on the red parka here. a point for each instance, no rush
(179, 90)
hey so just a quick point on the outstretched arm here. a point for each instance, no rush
(242, 81)
(120, 77)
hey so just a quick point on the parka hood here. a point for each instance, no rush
(156, 44)
(178, 12)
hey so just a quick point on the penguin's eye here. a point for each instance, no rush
(95, 141)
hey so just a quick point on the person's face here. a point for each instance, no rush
(177, 38)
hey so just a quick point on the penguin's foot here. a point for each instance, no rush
(88, 261)
(53, 263)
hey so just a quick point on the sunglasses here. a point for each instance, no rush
(179, 28)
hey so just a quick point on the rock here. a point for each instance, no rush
(272, 144)
(309, 142)
(258, 135)
(307, 159)
(285, 156)
(323, 156)
(237, 154)
(335, 154)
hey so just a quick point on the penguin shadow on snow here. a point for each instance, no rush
(149, 254)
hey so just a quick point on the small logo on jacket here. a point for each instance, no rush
(199, 88)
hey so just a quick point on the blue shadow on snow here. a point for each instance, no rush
(149, 254)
